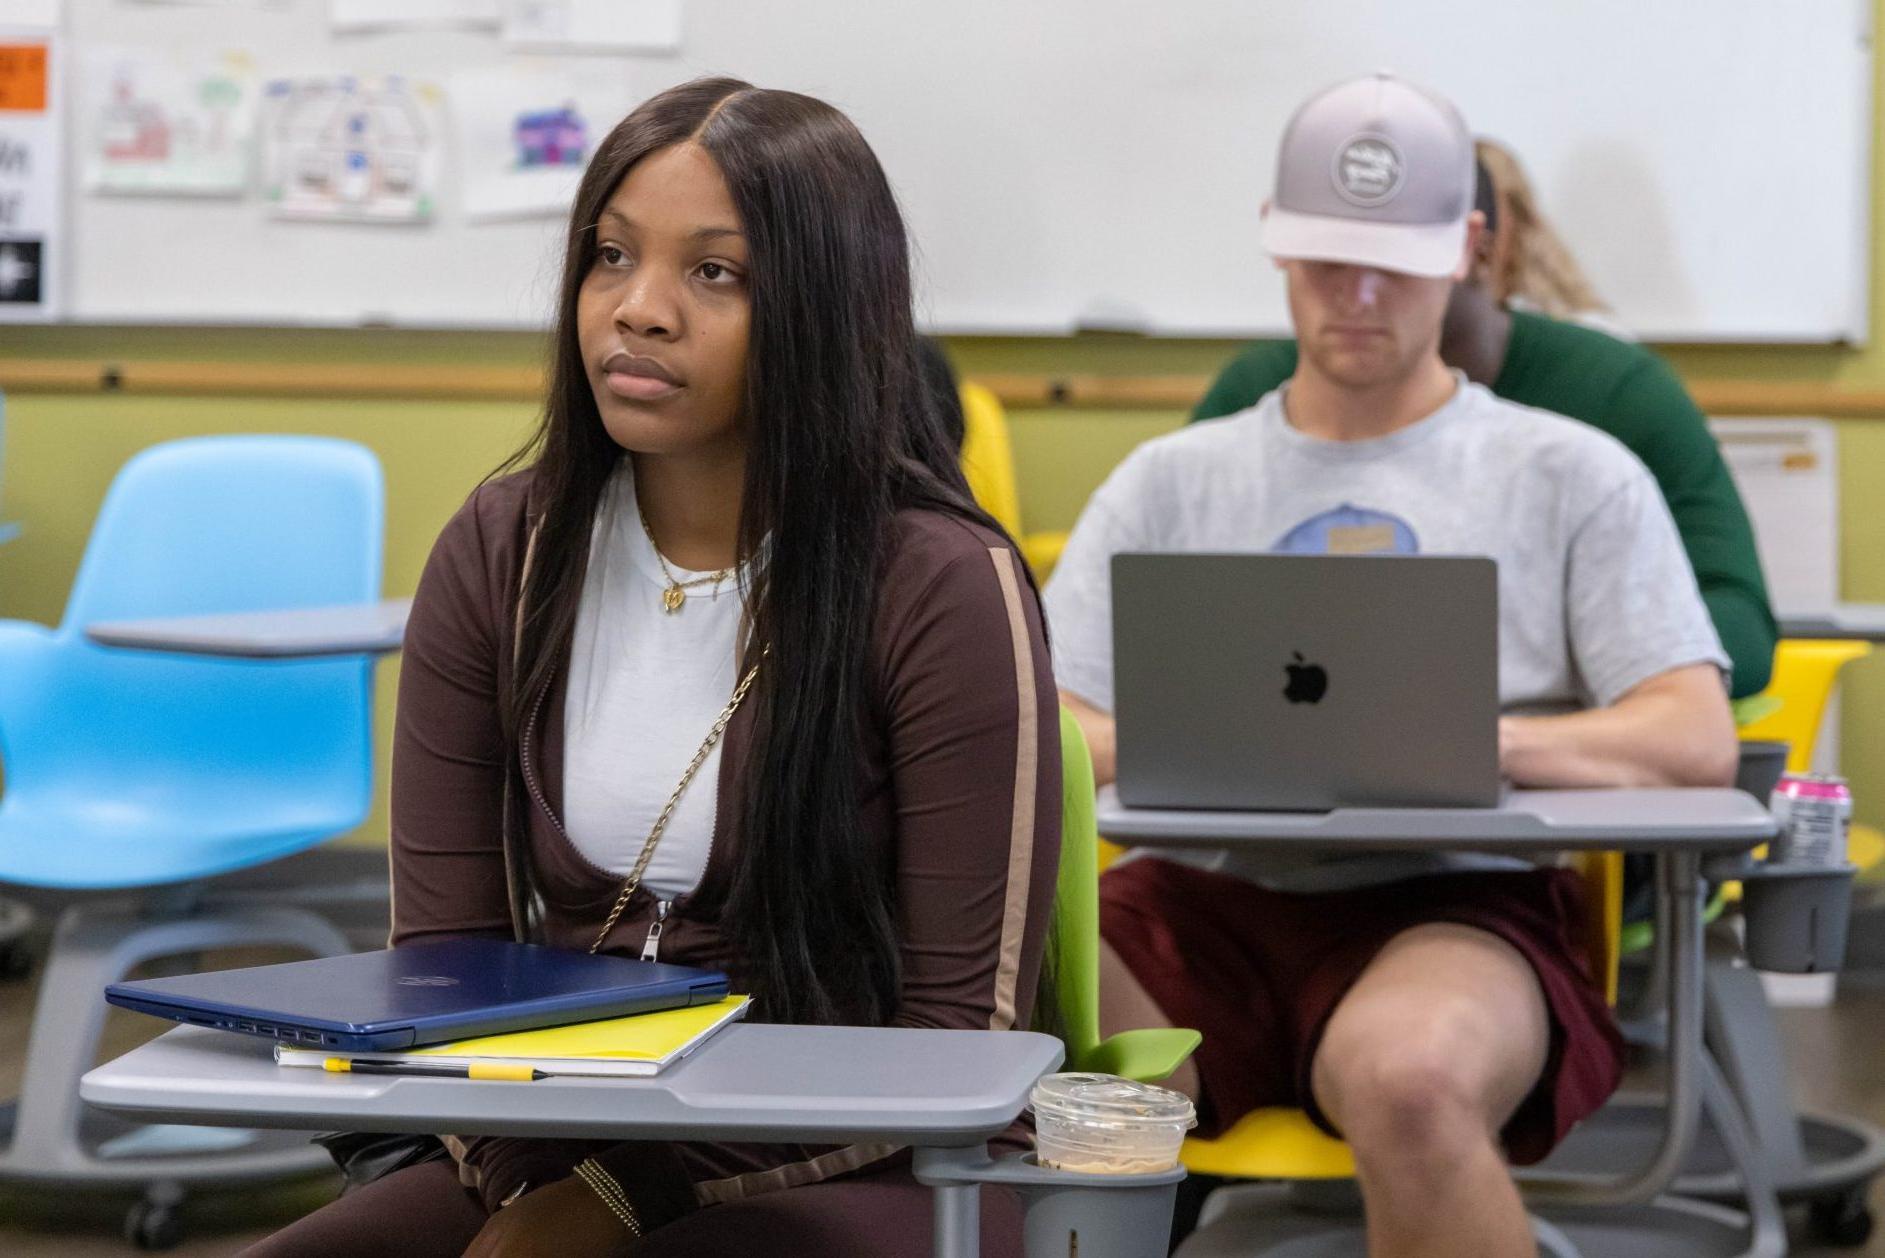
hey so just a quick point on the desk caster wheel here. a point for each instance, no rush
(16, 960)
(1842, 1219)
(154, 1224)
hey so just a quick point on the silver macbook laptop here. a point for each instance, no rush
(1306, 682)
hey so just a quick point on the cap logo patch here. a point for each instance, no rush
(1368, 170)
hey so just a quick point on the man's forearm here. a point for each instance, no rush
(1671, 732)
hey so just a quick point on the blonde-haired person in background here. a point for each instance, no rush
(1525, 265)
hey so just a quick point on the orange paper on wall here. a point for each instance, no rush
(23, 77)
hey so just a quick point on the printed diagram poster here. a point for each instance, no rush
(352, 149)
(361, 15)
(30, 146)
(167, 125)
(594, 25)
(525, 135)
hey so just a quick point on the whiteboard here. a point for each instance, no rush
(1100, 163)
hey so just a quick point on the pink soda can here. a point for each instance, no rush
(1815, 812)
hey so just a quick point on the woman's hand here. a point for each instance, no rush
(561, 1220)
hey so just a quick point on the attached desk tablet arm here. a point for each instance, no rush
(365, 629)
(751, 1082)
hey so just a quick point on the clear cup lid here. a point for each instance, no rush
(1109, 1098)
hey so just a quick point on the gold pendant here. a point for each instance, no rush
(673, 597)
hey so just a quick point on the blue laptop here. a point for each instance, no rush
(426, 993)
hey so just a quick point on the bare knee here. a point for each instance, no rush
(1434, 1047)
(1401, 1098)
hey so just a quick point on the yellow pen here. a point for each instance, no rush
(475, 1070)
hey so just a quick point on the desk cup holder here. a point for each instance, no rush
(1796, 916)
(1762, 763)
(1070, 1212)
(1098, 1215)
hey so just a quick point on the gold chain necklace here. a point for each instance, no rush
(633, 880)
(676, 593)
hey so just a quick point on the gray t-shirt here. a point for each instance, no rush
(1595, 592)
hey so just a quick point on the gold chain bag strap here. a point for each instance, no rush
(630, 883)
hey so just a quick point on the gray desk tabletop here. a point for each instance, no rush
(1862, 621)
(750, 1082)
(363, 629)
(1697, 820)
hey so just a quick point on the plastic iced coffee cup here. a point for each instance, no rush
(1102, 1124)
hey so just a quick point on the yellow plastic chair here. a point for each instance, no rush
(1281, 1143)
(988, 462)
(1805, 671)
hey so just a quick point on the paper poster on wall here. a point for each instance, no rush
(167, 124)
(362, 15)
(594, 25)
(354, 149)
(525, 134)
(30, 146)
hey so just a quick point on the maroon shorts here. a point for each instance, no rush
(1259, 973)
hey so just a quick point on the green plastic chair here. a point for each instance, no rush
(1147, 1054)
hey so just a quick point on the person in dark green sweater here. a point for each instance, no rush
(1614, 385)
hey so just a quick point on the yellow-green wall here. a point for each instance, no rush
(61, 450)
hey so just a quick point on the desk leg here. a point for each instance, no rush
(1679, 907)
(958, 1228)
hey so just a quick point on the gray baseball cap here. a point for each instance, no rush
(1375, 172)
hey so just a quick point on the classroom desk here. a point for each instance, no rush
(1863, 622)
(1681, 827)
(363, 629)
(839, 1085)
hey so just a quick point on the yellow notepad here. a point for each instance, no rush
(638, 1045)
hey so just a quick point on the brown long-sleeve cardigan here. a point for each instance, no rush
(960, 773)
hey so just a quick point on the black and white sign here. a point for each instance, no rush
(30, 218)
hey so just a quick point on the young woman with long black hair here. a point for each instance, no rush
(732, 672)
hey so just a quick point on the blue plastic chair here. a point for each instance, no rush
(142, 772)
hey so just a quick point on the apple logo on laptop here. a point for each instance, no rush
(1307, 682)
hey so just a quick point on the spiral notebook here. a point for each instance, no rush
(640, 1045)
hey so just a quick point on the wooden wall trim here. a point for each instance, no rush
(310, 380)
(1715, 397)
(525, 384)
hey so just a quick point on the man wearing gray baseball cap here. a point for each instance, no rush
(1377, 173)
(1436, 1011)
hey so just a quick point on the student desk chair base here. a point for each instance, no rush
(52, 1137)
(1824, 1161)
(1269, 1219)
(1680, 827)
(132, 773)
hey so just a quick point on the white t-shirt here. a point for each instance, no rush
(645, 686)
(1595, 592)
